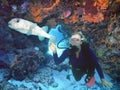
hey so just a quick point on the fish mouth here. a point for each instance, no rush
(9, 24)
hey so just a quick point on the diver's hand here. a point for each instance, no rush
(106, 83)
(52, 38)
(53, 47)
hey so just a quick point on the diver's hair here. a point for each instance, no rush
(81, 34)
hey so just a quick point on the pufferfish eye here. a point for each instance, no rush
(17, 20)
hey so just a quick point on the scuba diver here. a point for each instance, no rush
(81, 59)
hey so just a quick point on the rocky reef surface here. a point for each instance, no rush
(26, 55)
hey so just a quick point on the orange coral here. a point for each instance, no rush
(73, 19)
(50, 8)
(94, 10)
(38, 19)
(117, 0)
(94, 18)
(36, 10)
(101, 4)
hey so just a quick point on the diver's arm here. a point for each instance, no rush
(97, 65)
(99, 70)
(60, 59)
(57, 59)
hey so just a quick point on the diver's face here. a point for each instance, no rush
(75, 40)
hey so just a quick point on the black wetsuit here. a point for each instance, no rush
(86, 63)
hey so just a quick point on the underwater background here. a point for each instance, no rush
(26, 63)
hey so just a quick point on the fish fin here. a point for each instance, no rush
(45, 28)
(52, 38)
(91, 81)
(41, 38)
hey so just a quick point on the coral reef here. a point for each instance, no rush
(37, 11)
(98, 19)
(28, 61)
(44, 76)
(82, 11)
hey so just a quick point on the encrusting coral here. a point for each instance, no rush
(36, 11)
(25, 63)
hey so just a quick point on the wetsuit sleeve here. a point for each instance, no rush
(97, 65)
(60, 59)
